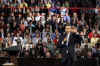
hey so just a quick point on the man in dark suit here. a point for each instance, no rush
(68, 41)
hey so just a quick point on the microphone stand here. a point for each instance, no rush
(19, 48)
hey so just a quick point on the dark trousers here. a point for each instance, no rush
(68, 58)
(67, 61)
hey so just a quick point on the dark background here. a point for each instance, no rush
(83, 3)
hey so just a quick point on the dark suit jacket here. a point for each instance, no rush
(71, 45)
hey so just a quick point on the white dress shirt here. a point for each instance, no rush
(68, 36)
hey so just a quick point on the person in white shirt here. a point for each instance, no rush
(26, 38)
(45, 39)
(63, 11)
(16, 38)
(36, 39)
(37, 18)
(8, 41)
(29, 17)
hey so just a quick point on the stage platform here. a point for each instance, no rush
(28, 61)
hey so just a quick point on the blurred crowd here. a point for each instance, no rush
(39, 28)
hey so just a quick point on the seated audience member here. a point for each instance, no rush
(94, 40)
(36, 39)
(39, 49)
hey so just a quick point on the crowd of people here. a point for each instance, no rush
(39, 25)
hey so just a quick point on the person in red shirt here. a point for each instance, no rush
(56, 40)
(91, 34)
(1, 40)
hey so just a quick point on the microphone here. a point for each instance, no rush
(64, 41)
